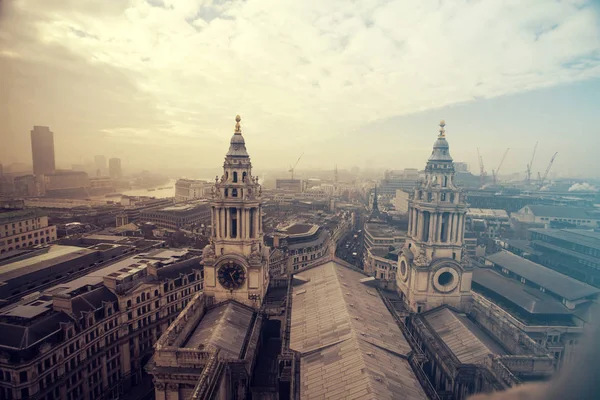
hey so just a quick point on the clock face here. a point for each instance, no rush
(231, 275)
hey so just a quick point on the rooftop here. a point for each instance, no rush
(183, 207)
(376, 229)
(55, 254)
(350, 344)
(119, 270)
(562, 285)
(564, 212)
(468, 342)
(224, 327)
(529, 299)
(299, 229)
(19, 215)
(487, 213)
(21, 337)
(579, 236)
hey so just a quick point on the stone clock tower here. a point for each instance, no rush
(236, 260)
(431, 268)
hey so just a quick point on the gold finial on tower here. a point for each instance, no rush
(238, 127)
(442, 130)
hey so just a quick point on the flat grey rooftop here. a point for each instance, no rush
(562, 285)
(579, 236)
(529, 299)
(224, 327)
(56, 254)
(585, 213)
(468, 342)
(350, 345)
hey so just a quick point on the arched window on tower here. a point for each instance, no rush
(244, 177)
(445, 181)
(226, 192)
(234, 177)
(234, 192)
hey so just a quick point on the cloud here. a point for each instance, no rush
(297, 72)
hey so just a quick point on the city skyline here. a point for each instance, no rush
(134, 82)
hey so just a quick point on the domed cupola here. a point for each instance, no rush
(237, 147)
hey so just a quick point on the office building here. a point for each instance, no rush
(297, 246)
(178, 216)
(20, 229)
(100, 166)
(89, 338)
(190, 189)
(405, 179)
(290, 185)
(42, 150)
(551, 308)
(114, 168)
(573, 216)
(67, 183)
(573, 252)
(487, 222)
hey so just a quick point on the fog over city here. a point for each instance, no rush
(158, 82)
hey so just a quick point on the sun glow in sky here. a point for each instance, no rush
(360, 83)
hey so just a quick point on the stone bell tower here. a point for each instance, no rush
(431, 267)
(236, 260)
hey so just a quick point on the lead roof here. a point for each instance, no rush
(350, 345)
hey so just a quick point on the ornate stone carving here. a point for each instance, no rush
(173, 387)
(255, 256)
(209, 252)
(421, 259)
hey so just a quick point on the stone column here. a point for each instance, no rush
(421, 225)
(454, 227)
(228, 222)
(410, 222)
(243, 222)
(461, 226)
(238, 222)
(259, 219)
(416, 223)
(248, 224)
(451, 228)
(212, 221)
(431, 226)
(222, 223)
(255, 233)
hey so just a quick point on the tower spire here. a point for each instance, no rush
(375, 205)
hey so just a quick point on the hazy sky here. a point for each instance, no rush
(159, 82)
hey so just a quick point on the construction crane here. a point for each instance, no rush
(495, 173)
(294, 167)
(482, 172)
(543, 178)
(530, 165)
